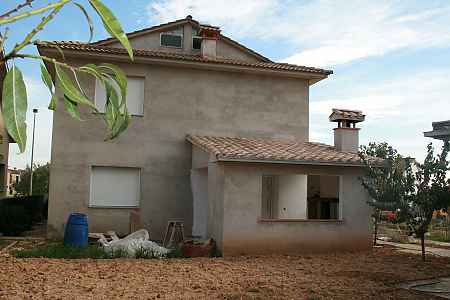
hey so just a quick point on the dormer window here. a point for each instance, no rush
(196, 40)
(172, 38)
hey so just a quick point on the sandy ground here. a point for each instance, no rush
(369, 275)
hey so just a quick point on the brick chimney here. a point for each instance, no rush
(346, 135)
(210, 35)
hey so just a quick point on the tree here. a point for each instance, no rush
(66, 77)
(383, 179)
(430, 192)
(40, 180)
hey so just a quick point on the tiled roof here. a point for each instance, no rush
(347, 114)
(77, 46)
(271, 150)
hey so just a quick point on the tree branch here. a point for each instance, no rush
(34, 12)
(39, 27)
(46, 58)
(16, 9)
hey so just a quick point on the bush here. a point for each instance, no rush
(17, 214)
(14, 219)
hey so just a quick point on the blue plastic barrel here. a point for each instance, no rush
(76, 232)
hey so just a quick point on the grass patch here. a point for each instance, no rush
(439, 238)
(59, 250)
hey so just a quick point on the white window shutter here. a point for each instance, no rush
(114, 187)
(135, 96)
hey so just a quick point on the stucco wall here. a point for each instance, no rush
(178, 101)
(151, 41)
(243, 233)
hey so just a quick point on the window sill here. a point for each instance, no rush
(333, 221)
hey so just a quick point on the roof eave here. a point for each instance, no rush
(291, 162)
(310, 76)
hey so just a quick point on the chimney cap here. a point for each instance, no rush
(441, 131)
(354, 116)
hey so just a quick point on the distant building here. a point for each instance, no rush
(12, 177)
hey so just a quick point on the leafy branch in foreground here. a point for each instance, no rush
(66, 77)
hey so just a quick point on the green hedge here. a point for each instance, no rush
(17, 214)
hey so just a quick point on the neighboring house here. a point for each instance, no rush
(13, 177)
(219, 138)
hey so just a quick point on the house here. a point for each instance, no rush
(219, 139)
(13, 177)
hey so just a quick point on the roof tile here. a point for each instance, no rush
(248, 149)
(77, 46)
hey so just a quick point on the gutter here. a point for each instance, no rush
(291, 162)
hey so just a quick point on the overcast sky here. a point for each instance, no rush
(390, 59)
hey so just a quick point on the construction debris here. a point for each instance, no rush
(132, 243)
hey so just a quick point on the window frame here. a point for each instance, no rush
(175, 34)
(201, 40)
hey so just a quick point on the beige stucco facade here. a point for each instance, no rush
(178, 101)
(179, 181)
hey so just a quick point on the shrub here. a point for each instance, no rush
(18, 213)
(14, 219)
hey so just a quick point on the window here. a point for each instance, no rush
(172, 38)
(284, 196)
(196, 40)
(135, 96)
(115, 187)
(323, 197)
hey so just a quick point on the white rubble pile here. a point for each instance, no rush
(136, 241)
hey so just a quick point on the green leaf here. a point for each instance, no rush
(53, 101)
(14, 106)
(71, 108)
(119, 76)
(112, 25)
(69, 89)
(92, 70)
(46, 78)
(89, 20)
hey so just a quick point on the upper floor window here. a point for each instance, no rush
(196, 40)
(172, 38)
(135, 96)
(115, 187)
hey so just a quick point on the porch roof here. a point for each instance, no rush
(273, 151)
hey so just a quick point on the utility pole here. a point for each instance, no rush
(32, 151)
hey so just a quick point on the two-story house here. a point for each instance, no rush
(219, 139)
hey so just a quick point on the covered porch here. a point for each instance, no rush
(272, 196)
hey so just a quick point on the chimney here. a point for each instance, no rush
(346, 135)
(210, 35)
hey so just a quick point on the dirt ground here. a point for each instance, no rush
(369, 275)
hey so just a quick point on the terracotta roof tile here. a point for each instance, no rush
(347, 114)
(77, 46)
(248, 149)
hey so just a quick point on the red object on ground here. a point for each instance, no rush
(192, 249)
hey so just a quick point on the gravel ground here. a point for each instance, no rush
(369, 275)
